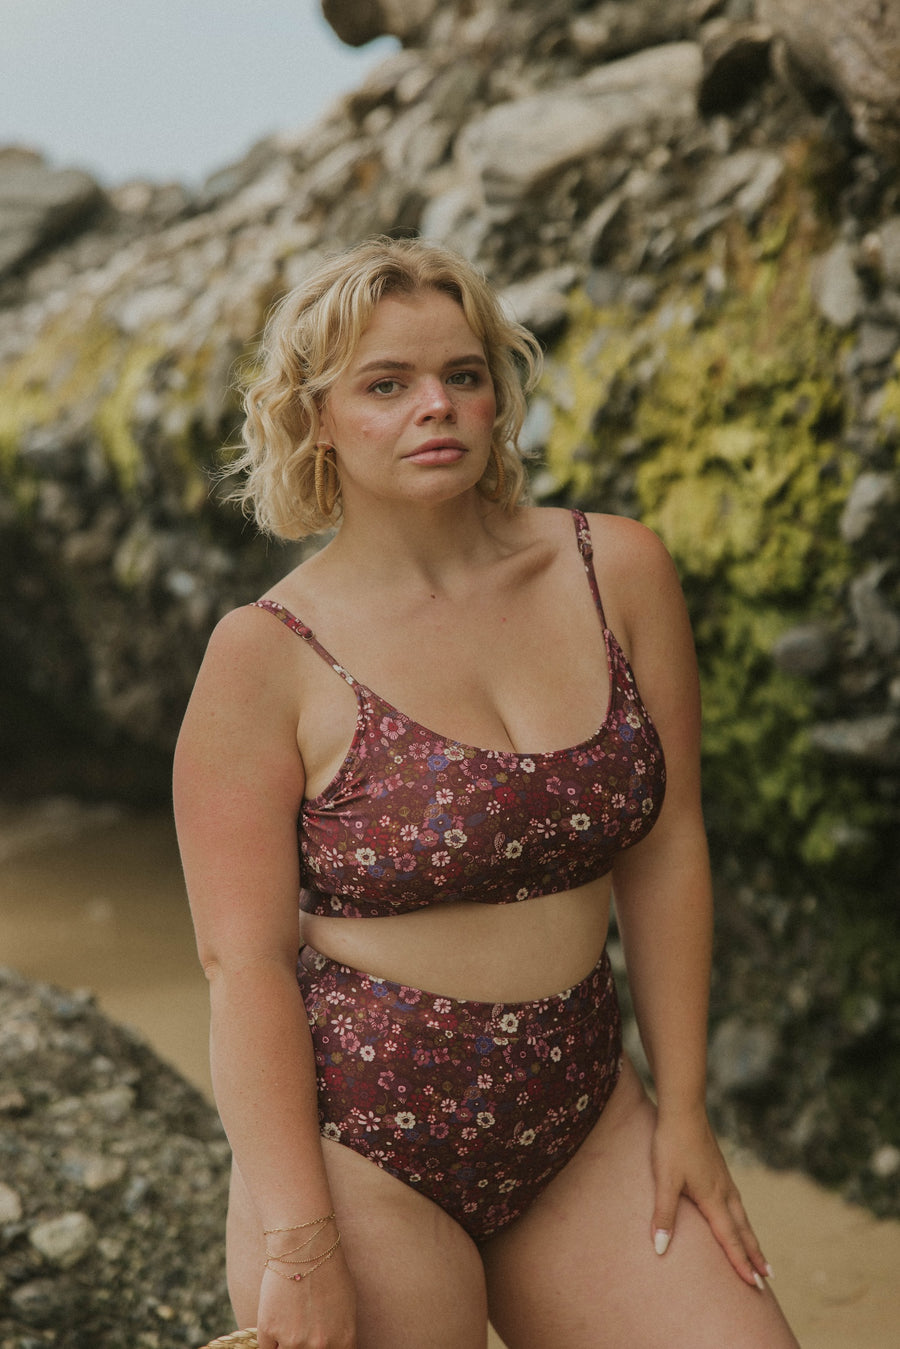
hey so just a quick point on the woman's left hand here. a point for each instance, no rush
(687, 1161)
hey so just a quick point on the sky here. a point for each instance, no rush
(166, 89)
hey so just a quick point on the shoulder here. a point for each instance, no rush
(637, 577)
(241, 719)
(251, 664)
(612, 536)
(630, 560)
(629, 553)
(242, 635)
(620, 537)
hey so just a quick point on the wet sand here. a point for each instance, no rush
(95, 899)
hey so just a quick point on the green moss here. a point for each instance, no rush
(889, 412)
(745, 484)
(725, 419)
(113, 418)
(58, 371)
(90, 367)
(580, 378)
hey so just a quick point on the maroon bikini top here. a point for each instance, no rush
(412, 818)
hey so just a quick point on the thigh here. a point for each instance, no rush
(418, 1276)
(579, 1268)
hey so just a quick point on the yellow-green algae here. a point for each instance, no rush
(114, 416)
(90, 367)
(889, 410)
(724, 417)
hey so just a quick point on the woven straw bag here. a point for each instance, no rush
(238, 1339)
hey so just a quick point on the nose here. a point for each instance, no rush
(435, 403)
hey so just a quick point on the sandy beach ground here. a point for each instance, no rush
(94, 899)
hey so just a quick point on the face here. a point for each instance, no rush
(411, 417)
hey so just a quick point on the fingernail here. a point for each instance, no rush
(770, 1273)
(758, 1280)
(661, 1241)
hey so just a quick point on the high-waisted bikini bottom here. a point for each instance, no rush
(476, 1105)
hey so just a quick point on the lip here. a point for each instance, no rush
(444, 450)
(441, 443)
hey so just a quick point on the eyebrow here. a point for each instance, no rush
(387, 364)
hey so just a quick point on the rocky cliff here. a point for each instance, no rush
(696, 207)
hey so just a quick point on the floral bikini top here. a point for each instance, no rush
(413, 818)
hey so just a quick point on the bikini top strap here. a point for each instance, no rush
(287, 618)
(586, 548)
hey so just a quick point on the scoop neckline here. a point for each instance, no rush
(359, 688)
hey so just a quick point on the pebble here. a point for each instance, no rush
(91, 1170)
(741, 1056)
(41, 1302)
(65, 1240)
(10, 1205)
(886, 1161)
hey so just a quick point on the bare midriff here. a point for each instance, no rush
(480, 952)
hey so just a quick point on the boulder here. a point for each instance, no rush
(517, 148)
(852, 48)
(357, 22)
(112, 1206)
(40, 205)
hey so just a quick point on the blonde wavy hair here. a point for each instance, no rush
(309, 340)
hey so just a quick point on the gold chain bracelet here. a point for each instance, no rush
(298, 1227)
(315, 1262)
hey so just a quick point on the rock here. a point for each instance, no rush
(870, 494)
(748, 177)
(39, 204)
(357, 22)
(45, 1302)
(114, 1104)
(852, 49)
(538, 425)
(65, 1240)
(541, 302)
(735, 64)
(10, 1205)
(836, 286)
(515, 148)
(889, 240)
(610, 29)
(603, 232)
(805, 650)
(741, 1056)
(871, 740)
(877, 623)
(92, 1171)
(115, 1182)
(877, 343)
(886, 1161)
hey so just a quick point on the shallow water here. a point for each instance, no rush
(94, 898)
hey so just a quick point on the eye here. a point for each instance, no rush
(386, 386)
(465, 377)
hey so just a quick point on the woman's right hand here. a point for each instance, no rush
(318, 1312)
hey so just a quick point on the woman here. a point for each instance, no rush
(422, 698)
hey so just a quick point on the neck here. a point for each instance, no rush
(411, 546)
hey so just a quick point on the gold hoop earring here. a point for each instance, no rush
(328, 482)
(497, 491)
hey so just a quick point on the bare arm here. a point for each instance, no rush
(662, 887)
(663, 895)
(238, 785)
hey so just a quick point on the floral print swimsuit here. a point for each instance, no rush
(476, 1105)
